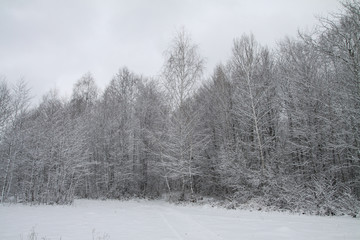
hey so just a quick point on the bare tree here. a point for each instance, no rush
(84, 94)
(245, 64)
(20, 101)
(182, 70)
(337, 42)
(5, 105)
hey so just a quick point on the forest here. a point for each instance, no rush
(279, 127)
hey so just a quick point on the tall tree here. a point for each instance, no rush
(84, 94)
(252, 76)
(5, 105)
(117, 149)
(20, 101)
(182, 71)
(150, 110)
(337, 42)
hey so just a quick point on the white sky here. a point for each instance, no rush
(53, 43)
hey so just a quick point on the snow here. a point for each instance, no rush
(141, 219)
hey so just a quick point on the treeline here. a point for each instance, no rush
(277, 127)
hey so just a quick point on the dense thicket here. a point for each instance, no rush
(278, 127)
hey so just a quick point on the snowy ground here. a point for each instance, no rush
(88, 219)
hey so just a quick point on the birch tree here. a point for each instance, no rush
(182, 72)
(251, 90)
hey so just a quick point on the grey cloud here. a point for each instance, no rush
(52, 43)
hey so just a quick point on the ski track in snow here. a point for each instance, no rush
(185, 227)
(147, 220)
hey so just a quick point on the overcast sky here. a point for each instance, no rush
(53, 43)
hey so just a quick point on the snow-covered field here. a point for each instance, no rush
(90, 219)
